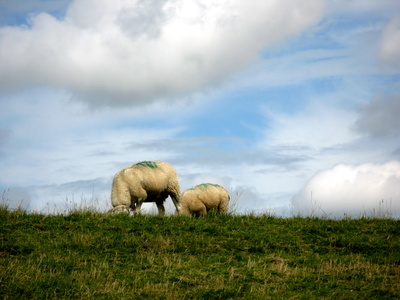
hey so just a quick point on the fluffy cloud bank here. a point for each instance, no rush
(367, 189)
(120, 52)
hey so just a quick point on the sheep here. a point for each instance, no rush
(146, 181)
(204, 198)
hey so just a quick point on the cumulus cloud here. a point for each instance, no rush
(120, 52)
(352, 190)
(390, 43)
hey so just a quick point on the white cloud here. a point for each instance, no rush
(118, 52)
(315, 137)
(121, 52)
(52, 142)
(352, 190)
(317, 126)
(390, 44)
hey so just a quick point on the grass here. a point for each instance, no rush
(89, 255)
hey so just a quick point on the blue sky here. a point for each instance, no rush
(291, 105)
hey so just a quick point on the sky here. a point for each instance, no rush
(292, 106)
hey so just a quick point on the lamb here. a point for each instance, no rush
(146, 181)
(204, 198)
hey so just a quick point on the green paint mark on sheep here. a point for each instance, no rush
(148, 164)
(205, 186)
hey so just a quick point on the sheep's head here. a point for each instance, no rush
(121, 209)
(178, 211)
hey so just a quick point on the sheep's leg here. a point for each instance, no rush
(161, 208)
(138, 200)
(138, 206)
(175, 200)
(203, 210)
(223, 207)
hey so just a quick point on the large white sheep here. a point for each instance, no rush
(204, 198)
(146, 181)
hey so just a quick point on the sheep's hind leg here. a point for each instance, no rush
(223, 208)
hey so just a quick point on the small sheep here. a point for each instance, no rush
(146, 181)
(204, 198)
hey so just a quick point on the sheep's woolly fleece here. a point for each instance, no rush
(147, 181)
(204, 198)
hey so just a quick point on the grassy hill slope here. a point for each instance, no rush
(84, 255)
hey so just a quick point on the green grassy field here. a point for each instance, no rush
(87, 255)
